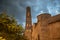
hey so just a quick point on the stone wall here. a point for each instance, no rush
(46, 28)
(54, 31)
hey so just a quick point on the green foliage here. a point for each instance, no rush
(9, 29)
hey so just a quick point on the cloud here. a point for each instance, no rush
(18, 8)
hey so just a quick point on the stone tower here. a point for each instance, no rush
(28, 18)
(28, 26)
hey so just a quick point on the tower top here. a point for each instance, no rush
(43, 16)
(28, 9)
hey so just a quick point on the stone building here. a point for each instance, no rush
(46, 28)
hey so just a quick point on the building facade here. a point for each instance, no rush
(46, 28)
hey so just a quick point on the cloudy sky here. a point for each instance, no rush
(18, 8)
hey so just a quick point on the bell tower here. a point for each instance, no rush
(28, 26)
(28, 18)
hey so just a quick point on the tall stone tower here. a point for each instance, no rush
(28, 18)
(28, 26)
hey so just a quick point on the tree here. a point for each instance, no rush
(9, 29)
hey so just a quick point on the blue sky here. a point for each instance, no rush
(18, 8)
